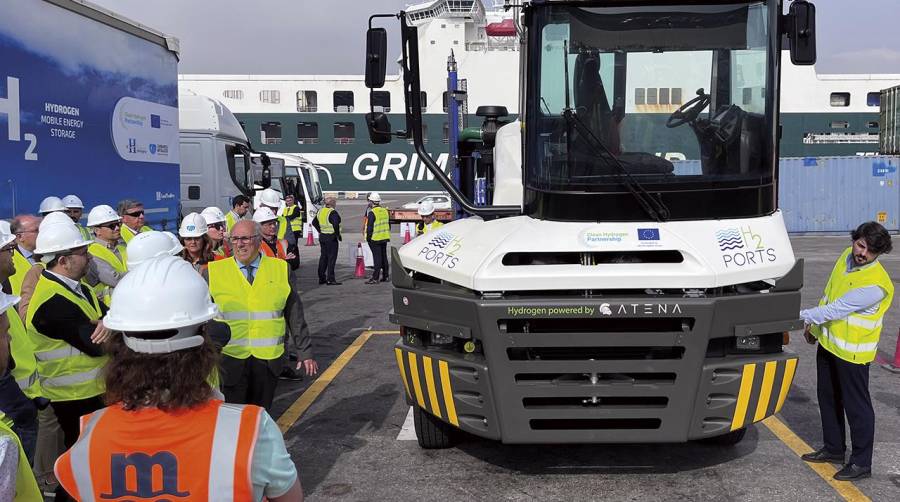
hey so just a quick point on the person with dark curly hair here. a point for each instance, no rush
(163, 420)
(847, 325)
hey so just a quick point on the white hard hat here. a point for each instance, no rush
(51, 204)
(57, 237)
(426, 208)
(270, 197)
(164, 294)
(263, 214)
(7, 301)
(213, 215)
(5, 228)
(153, 244)
(72, 201)
(5, 237)
(374, 197)
(102, 214)
(193, 225)
(54, 218)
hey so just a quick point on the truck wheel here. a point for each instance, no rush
(432, 432)
(727, 439)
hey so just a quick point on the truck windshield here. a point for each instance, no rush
(673, 97)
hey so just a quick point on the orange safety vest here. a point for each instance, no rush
(280, 252)
(154, 455)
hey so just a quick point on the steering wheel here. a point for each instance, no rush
(689, 111)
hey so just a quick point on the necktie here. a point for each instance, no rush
(250, 273)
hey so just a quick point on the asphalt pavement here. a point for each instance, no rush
(352, 441)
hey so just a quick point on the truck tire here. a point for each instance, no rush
(728, 439)
(432, 432)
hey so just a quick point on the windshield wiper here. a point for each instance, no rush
(654, 207)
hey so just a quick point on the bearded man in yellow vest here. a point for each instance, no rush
(259, 303)
(847, 325)
(378, 236)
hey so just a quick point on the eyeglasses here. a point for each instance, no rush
(135, 214)
(272, 222)
(192, 238)
(242, 239)
(20, 232)
(217, 226)
(112, 226)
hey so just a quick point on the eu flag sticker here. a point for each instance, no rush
(648, 234)
(154, 121)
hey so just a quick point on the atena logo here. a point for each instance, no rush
(741, 247)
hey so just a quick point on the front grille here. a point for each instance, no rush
(592, 353)
(595, 402)
(595, 424)
(612, 379)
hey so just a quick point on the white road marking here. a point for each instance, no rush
(408, 431)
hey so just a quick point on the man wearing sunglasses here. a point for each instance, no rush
(132, 213)
(25, 228)
(109, 253)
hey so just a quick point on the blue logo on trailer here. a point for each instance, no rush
(648, 234)
(880, 169)
(152, 148)
(154, 121)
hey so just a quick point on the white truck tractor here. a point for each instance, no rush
(605, 293)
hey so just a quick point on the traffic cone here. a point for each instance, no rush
(894, 367)
(310, 241)
(406, 237)
(360, 262)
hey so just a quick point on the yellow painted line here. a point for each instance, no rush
(786, 381)
(448, 393)
(417, 385)
(399, 354)
(765, 393)
(847, 490)
(429, 381)
(740, 410)
(296, 410)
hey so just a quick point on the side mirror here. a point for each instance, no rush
(266, 176)
(376, 57)
(801, 31)
(379, 128)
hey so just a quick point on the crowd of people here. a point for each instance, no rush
(153, 352)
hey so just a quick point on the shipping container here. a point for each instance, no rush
(889, 121)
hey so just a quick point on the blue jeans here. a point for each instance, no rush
(22, 411)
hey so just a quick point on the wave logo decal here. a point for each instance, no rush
(729, 238)
(441, 240)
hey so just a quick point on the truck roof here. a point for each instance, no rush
(110, 18)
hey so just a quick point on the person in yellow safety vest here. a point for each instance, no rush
(12, 454)
(25, 228)
(260, 304)
(75, 210)
(378, 236)
(271, 199)
(294, 215)
(34, 272)
(847, 325)
(429, 222)
(132, 213)
(19, 387)
(240, 206)
(328, 224)
(64, 323)
(110, 256)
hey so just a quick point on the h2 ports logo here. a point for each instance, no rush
(442, 249)
(742, 247)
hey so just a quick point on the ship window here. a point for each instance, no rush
(840, 99)
(270, 96)
(307, 101)
(676, 96)
(873, 124)
(873, 99)
(344, 133)
(640, 95)
(651, 96)
(307, 133)
(663, 95)
(381, 101)
(840, 124)
(446, 103)
(233, 94)
(343, 101)
(424, 135)
(270, 133)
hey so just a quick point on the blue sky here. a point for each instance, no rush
(327, 36)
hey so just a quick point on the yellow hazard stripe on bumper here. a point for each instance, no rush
(756, 392)
(436, 384)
